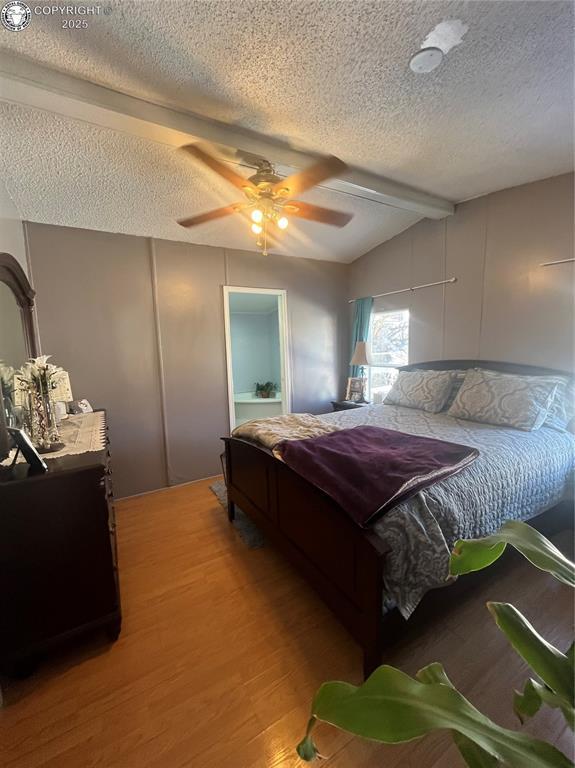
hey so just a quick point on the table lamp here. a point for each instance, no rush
(361, 357)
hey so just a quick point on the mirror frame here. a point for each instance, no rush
(12, 275)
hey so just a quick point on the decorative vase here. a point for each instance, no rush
(6, 403)
(43, 425)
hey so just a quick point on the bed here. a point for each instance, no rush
(374, 579)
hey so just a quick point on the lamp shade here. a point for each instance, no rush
(361, 354)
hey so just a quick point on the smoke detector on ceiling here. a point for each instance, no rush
(426, 60)
(442, 38)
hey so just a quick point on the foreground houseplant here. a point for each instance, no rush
(392, 707)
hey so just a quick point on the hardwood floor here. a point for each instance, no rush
(223, 647)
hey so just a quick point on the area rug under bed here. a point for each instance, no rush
(248, 531)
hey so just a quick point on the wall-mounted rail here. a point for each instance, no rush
(414, 288)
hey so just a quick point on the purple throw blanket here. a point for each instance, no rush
(369, 470)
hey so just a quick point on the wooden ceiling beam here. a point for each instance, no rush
(29, 84)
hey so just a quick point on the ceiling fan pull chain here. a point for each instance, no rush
(265, 251)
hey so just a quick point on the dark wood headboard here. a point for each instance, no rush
(490, 365)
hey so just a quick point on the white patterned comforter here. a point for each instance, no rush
(517, 476)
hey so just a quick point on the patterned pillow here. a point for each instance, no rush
(562, 410)
(504, 399)
(457, 381)
(426, 390)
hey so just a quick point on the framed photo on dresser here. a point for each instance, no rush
(354, 391)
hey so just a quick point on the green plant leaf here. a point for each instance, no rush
(392, 707)
(535, 694)
(434, 673)
(474, 756)
(476, 554)
(552, 666)
(306, 749)
(528, 703)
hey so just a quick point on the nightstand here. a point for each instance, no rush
(346, 405)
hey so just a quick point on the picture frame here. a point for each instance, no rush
(355, 389)
(62, 391)
(79, 406)
(28, 451)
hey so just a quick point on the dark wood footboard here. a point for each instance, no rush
(341, 561)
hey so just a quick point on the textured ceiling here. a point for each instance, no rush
(328, 76)
(79, 175)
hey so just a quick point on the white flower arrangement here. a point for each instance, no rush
(35, 380)
(38, 374)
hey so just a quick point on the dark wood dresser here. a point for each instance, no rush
(58, 557)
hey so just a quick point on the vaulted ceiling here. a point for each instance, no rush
(326, 76)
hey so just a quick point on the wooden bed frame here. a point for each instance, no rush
(340, 560)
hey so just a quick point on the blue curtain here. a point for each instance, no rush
(360, 327)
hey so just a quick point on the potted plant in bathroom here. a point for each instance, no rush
(266, 390)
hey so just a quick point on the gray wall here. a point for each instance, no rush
(139, 325)
(317, 319)
(504, 306)
(95, 312)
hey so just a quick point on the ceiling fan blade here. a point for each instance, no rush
(317, 213)
(217, 213)
(220, 168)
(309, 177)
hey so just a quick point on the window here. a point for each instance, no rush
(389, 341)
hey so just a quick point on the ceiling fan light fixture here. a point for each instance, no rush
(269, 196)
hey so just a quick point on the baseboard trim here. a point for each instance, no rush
(170, 487)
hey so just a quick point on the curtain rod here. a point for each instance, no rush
(414, 288)
(552, 263)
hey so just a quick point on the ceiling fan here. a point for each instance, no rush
(269, 198)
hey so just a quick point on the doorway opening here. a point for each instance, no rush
(257, 353)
